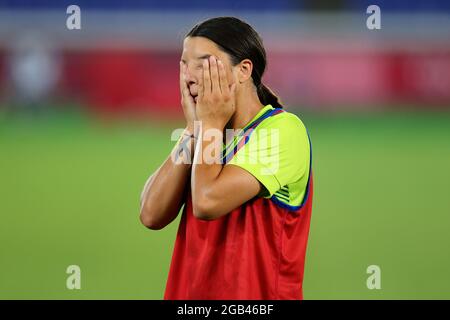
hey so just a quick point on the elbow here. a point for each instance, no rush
(203, 212)
(205, 208)
(149, 221)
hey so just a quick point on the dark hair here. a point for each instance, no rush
(240, 41)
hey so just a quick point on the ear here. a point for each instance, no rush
(245, 69)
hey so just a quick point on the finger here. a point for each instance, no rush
(200, 88)
(182, 77)
(215, 85)
(206, 78)
(183, 84)
(223, 78)
(233, 89)
(185, 91)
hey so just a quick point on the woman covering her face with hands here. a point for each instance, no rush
(246, 205)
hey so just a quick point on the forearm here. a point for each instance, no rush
(207, 167)
(162, 196)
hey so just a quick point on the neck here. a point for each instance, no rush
(247, 107)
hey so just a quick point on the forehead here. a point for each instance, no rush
(195, 47)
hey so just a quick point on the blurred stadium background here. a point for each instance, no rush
(86, 116)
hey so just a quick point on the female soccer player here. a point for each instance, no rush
(247, 204)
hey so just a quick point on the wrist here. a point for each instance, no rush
(192, 129)
(183, 152)
(213, 124)
(189, 128)
(190, 132)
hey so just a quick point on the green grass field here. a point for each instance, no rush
(70, 186)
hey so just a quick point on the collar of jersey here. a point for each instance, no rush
(260, 114)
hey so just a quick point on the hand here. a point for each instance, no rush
(187, 102)
(216, 102)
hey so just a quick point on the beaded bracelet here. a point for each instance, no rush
(189, 135)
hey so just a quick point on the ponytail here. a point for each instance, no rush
(266, 96)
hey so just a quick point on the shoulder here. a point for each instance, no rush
(284, 120)
(289, 127)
